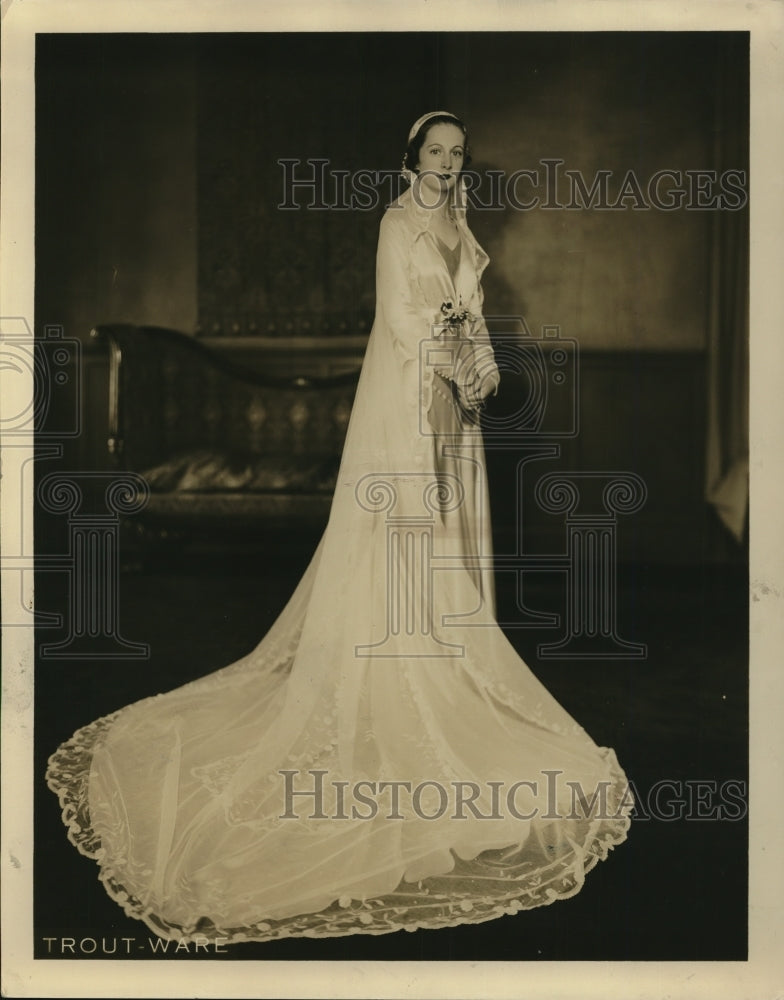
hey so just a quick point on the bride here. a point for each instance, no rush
(383, 759)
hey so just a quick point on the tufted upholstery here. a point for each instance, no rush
(216, 440)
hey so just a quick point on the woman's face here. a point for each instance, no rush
(441, 157)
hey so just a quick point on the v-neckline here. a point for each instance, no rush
(445, 244)
(451, 259)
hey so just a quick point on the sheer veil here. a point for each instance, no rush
(321, 784)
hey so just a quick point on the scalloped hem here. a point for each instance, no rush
(435, 902)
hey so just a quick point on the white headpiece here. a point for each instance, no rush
(409, 175)
(421, 121)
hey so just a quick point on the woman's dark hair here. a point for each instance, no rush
(411, 158)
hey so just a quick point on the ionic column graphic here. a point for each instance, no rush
(409, 559)
(592, 586)
(92, 564)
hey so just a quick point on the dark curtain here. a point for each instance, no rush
(727, 456)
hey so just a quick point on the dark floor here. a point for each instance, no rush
(676, 890)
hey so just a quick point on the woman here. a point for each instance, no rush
(383, 759)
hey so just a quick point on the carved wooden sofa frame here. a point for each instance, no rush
(224, 450)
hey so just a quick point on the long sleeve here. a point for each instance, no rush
(408, 322)
(412, 284)
(476, 364)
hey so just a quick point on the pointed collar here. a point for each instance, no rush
(420, 218)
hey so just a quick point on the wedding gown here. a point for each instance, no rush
(352, 773)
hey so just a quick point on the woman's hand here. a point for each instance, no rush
(473, 395)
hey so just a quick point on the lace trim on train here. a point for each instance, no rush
(495, 883)
(67, 775)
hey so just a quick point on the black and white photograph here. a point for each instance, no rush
(386, 487)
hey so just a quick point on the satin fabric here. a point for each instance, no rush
(386, 666)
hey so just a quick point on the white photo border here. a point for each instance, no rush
(761, 976)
